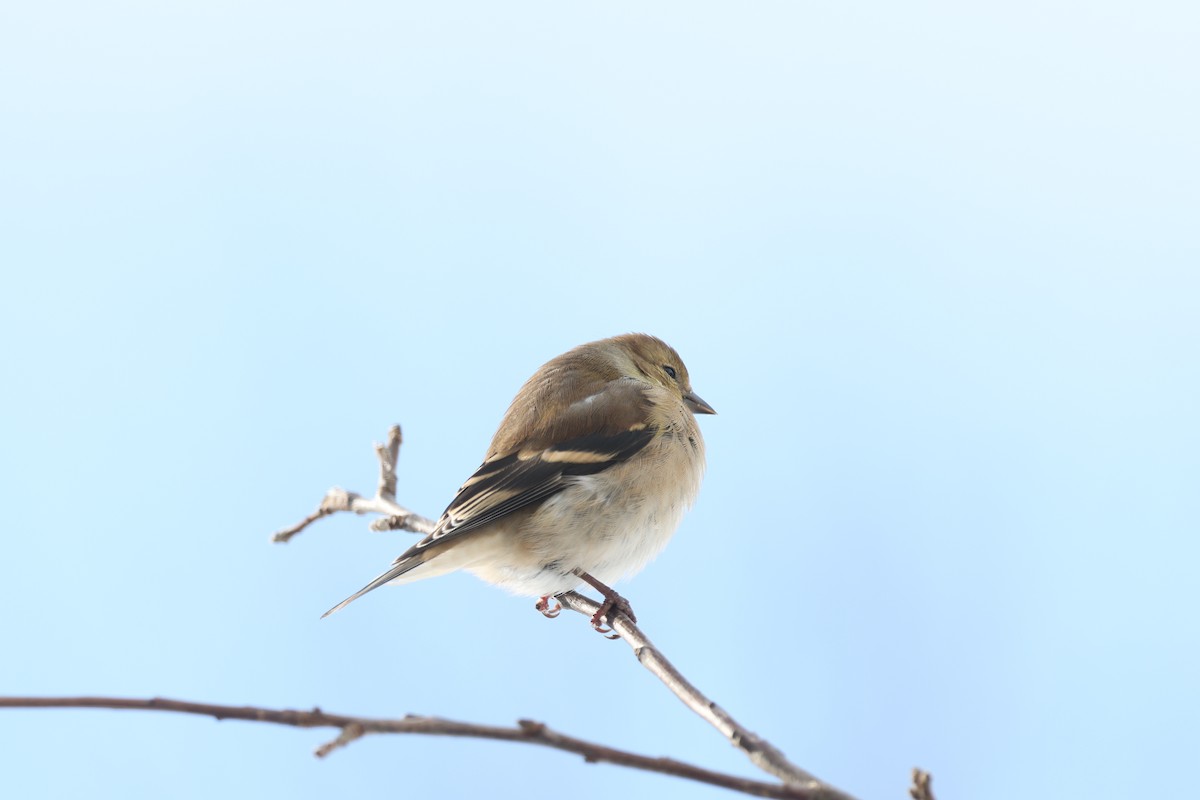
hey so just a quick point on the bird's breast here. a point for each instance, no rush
(609, 524)
(613, 523)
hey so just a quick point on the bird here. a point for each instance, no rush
(586, 479)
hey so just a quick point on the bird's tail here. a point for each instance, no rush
(401, 566)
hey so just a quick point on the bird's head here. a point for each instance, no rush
(650, 359)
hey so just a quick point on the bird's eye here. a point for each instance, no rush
(670, 370)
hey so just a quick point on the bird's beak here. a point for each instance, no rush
(698, 406)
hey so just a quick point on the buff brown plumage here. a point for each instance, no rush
(586, 479)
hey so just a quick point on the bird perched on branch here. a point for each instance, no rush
(588, 476)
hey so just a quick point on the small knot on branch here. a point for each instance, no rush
(394, 522)
(336, 499)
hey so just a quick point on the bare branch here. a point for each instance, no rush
(395, 516)
(761, 753)
(325, 509)
(352, 728)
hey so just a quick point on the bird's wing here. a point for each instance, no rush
(588, 436)
(601, 429)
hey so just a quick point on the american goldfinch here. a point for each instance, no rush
(588, 476)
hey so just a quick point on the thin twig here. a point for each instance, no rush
(352, 728)
(388, 455)
(395, 517)
(761, 753)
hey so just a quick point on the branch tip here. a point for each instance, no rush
(922, 785)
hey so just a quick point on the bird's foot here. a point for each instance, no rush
(613, 604)
(603, 619)
(543, 605)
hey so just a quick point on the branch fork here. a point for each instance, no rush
(394, 517)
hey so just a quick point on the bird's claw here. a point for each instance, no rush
(602, 620)
(543, 605)
(613, 604)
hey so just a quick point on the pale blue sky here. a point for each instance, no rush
(935, 265)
